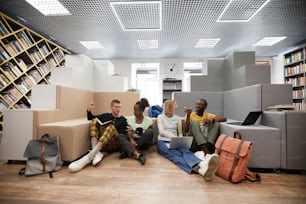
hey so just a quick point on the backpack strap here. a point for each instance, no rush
(235, 161)
(252, 176)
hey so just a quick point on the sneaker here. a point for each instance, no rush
(142, 158)
(79, 164)
(97, 158)
(209, 166)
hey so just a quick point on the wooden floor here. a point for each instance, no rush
(159, 181)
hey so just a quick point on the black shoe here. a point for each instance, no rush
(142, 158)
(123, 155)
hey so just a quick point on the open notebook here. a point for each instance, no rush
(179, 142)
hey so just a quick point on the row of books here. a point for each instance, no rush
(34, 74)
(23, 103)
(3, 29)
(22, 64)
(300, 106)
(298, 69)
(294, 57)
(12, 95)
(26, 82)
(298, 81)
(44, 50)
(4, 81)
(24, 39)
(3, 105)
(298, 94)
(3, 54)
(44, 68)
(52, 62)
(35, 55)
(13, 47)
(59, 55)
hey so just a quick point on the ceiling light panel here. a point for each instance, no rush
(148, 44)
(241, 11)
(49, 7)
(207, 43)
(269, 41)
(90, 45)
(138, 16)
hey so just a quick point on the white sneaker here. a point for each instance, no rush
(79, 164)
(97, 158)
(209, 166)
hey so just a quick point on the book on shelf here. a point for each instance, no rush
(4, 53)
(22, 65)
(103, 123)
(9, 97)
(22, 88)
(16, 94)
(13, 68)
(35, 75)
(4, 80)
(3, 29)
(9, 73)
(3, 105)
(24, 39)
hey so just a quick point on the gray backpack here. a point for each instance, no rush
(44, 156)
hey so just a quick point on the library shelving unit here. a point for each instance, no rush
(169, 86)
(295, 74)
(26, 59)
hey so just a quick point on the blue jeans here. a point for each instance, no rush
(182, 157)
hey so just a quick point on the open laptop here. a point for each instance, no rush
(249, 120)
(179, 142)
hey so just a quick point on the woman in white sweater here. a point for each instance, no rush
(169, 125)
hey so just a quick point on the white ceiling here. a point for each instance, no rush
(182, 24)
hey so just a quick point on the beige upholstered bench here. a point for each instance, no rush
(74, 136)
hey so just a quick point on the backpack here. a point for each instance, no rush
(43, 155)
(154, 111)
(234, 154)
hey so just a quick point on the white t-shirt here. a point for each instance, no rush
(146, 123)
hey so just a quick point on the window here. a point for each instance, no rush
(193, 68)
(145, 78)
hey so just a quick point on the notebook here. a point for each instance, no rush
(249, 120)
(179, 142)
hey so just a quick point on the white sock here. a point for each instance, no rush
(94, 141)
(94, 151)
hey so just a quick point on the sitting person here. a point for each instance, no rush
(169, 125)
(139, 135)
(203, 126)
(103, 138)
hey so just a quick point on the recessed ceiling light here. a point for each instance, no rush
(90, 45)
(148, 44)
(207, 43)
(138, 15)
(241, 11)
(49, 7)
(269, 41)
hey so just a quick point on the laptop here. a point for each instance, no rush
(179, 142)
(249, 120)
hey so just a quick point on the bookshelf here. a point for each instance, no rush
(169, 86)
(26, 59)
(295, 74)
